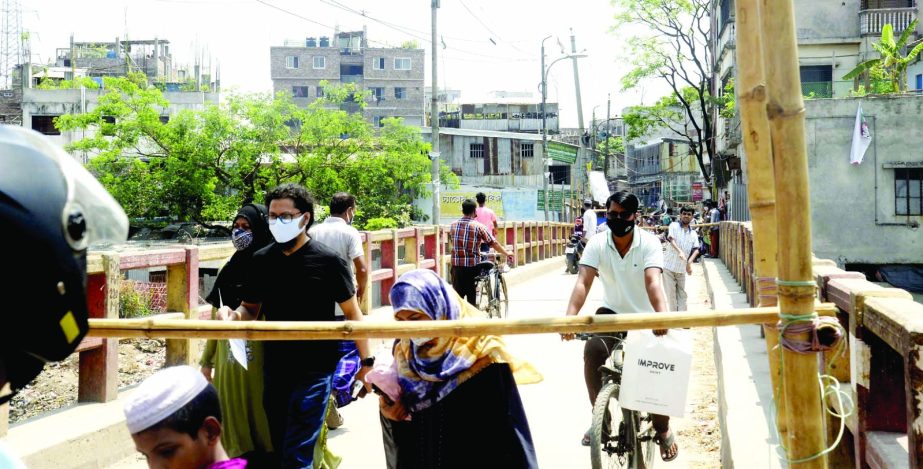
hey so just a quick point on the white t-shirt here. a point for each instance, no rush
(623, 278)
(345, 240)
(687, 240)
(589, 223)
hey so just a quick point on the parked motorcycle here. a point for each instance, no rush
(572, 252)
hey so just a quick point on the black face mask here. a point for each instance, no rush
(620, 227)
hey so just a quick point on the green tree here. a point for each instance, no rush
(202, 165)
(893, 62)
(674, 48)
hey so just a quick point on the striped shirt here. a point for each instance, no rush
(687, 239)
(467, 236)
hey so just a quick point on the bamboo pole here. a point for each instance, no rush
(326, 330)
(785, 107)
(751, 92)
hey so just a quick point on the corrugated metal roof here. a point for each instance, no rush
(484, 133)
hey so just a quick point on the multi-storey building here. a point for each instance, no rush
(392, 75)
(833, 37)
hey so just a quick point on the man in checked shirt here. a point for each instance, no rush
(467, 236)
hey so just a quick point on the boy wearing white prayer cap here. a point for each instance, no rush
(175, 420)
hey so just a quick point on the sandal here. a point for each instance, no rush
(665, 443)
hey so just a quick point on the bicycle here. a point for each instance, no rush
(492, 295)
(618, 437)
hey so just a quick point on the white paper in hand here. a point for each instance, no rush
(238, 346)
(655, 375)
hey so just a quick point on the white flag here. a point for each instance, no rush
(861, 138)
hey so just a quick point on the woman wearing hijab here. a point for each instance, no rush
(459, 392)
(240, 390)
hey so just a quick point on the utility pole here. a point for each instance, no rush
(434, 155)
(609, 135)
(581, 149)
(545, 166)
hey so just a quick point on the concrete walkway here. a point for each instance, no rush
(749, 439)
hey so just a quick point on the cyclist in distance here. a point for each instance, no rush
(629, 263)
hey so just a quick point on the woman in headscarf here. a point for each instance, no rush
(240, 389)
(460, 392)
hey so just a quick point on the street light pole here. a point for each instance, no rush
(434, 155)
(545, 163)
(581, 169)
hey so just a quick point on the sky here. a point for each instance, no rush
(490, 45)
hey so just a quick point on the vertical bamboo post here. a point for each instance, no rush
(183, 296)
(785, 108)
(751, 93)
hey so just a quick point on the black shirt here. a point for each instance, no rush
(302, 286)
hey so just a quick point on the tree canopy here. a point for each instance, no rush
(202, 165)
(675, 48)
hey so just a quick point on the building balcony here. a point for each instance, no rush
(871, 21)
(350, 78)
(728, 38)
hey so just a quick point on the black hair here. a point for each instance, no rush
(299, 195)
(481, 198)
(341, 202)
(669, 211)
(469, 207)
(686, 209)
(627, 200)
(190, 417)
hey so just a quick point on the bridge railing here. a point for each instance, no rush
(399, 251)
(882, 370)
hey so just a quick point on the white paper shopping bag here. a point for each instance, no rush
(655, 374)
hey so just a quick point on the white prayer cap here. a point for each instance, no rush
(162, 394)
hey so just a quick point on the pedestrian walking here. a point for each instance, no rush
(589, 220)
(714, 216)
(485, 216)
(455, 389)
(338, 234)
(298, 279)
(681, 252)
(467, 235)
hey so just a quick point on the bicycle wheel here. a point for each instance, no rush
(645, 449)
(484, 294)
(608, 431)
(503, 298)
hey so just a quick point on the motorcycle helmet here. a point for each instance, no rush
(51, 210)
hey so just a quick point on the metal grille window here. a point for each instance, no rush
(45, 125)
(476, 150)
(526, 150)
(291, 61)
(320, 62)
(378, 93)
(378, 63)
(400, 93)
(300, 91)
(908, 199)
(402, 63)
(320, 91)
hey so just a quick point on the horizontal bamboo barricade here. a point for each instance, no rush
(295, 330)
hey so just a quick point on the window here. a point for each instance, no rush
(45, 125)
(378, 63)
(320, 62)
(291, 61)
(476, 150)
(402, 63)
(400, 93)
(817, 81)
(907, 196)
(319, 91)
(378, 121)
(526, 150)
(919, 87)
(378, 93)
(164, 119)
(300, 91)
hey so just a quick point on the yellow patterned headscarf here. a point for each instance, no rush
(429, 372)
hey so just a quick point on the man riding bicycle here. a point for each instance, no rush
(467, 235)
(629, 263)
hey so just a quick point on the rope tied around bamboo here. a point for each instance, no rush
(767, 293)
(824, 333)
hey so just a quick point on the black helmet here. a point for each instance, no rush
(51, 210)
